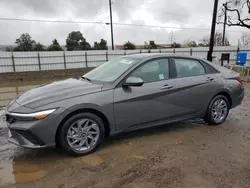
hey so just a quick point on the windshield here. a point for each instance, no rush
(111, 70)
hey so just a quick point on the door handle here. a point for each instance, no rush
(209, 79)
(167, 87)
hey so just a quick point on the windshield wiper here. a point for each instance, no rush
(85, 78)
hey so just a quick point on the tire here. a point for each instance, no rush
(72, 137)
(210, 116)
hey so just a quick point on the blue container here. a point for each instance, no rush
(241, 58)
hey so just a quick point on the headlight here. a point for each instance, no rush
(36, 115)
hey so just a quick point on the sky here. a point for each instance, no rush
(173, 14)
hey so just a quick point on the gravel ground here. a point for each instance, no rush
(188, 154)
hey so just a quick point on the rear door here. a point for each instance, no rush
(196, 84)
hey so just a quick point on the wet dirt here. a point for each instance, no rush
(188, 154)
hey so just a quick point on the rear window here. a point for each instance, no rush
(220, 68)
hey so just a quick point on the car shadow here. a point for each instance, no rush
(173, 127)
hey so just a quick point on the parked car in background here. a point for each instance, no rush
(125, 94)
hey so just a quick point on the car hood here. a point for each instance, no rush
(56, 91)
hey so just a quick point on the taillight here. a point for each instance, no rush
(239, 79)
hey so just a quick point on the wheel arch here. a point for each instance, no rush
(82, 110)
(227, 95)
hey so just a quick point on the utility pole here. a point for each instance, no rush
(211, 44)
(111, 24)
(225, 22)
(171, 37)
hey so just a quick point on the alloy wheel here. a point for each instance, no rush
(83, 135)
(219, 110)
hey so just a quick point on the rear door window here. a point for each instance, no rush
(188, 68)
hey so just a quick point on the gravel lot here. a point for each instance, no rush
(187, 154)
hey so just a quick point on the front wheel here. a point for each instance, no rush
(82, 133)
(217, 111)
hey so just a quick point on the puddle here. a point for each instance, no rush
(141, 157)
(92, 159)
(6, 174)
(36, 165)
(11, 173)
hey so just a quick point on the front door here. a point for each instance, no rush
(135, 106)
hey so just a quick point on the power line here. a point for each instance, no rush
(97, 22)
(166, 27)
(49, 21)
(94, 24)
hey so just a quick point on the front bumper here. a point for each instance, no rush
(24, 140)
(36, 133)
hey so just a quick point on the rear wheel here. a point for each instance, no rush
(82, 134)
(217, 111)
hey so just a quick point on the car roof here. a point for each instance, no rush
(156, 55)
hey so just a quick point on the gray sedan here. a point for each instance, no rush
(125, 94)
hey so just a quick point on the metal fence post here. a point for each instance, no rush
(174, 50)
(17, 91)
(125, 52)
(13, 62)
(107, 57)
(86, 58)
(39, 61)
(64, 60)
(140, 51)
(191, 52)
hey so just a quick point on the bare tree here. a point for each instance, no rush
(245, 38)
(204, 42)
(218, 40)
(238, 12)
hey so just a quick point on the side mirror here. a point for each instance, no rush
(133, 81)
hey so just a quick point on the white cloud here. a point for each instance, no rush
(167, 13)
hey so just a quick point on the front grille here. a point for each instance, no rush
(10, 119)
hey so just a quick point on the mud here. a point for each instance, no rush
(188, 154)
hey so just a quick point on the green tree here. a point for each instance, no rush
(55, 46)
(55, 42)
(152, 45)
(24, 43)
(102, 45)
(146, 45)
(76, 41)
(176, 45)
(129, 46)
(38, 47)
(9, 49)
(192, 44)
